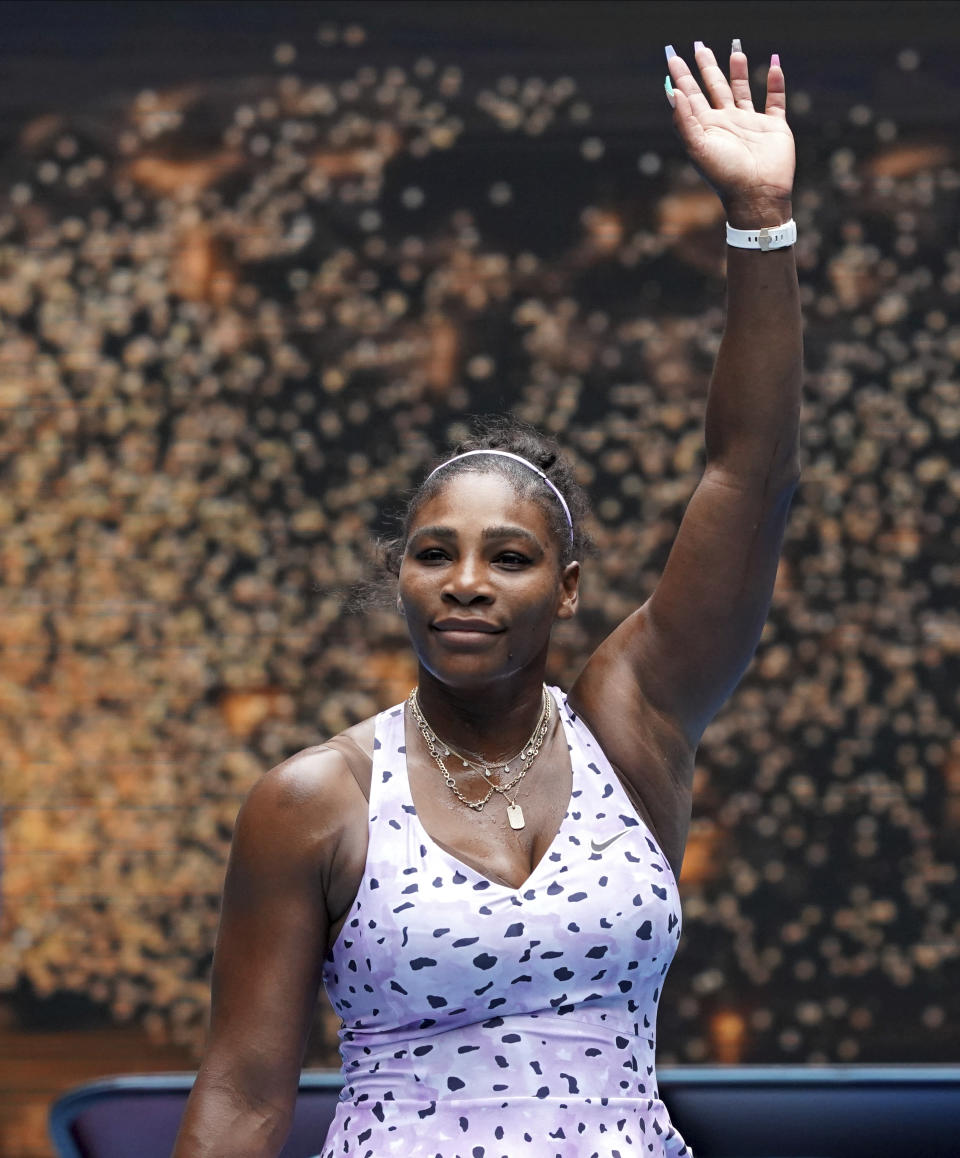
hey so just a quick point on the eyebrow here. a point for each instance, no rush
(505, 531)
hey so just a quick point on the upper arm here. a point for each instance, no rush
(274, 925)
(691, 642)
(673, 663)
(650, 689)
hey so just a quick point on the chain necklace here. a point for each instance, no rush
(528, 753)
(487, 767)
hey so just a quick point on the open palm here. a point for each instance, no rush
(744, 154)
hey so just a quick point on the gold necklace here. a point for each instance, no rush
(478, 763)
(528, 753)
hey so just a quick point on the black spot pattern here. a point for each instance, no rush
(505, 1027)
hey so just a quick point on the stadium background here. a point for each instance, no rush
(256, 263)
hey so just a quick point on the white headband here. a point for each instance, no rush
(516, 458)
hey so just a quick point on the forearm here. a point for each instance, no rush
(221, 1123)
(754, 401)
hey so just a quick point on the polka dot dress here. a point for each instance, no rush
(482, 1021)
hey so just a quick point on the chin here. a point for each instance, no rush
(462, 672)
(454, 675)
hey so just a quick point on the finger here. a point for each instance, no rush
(740, 78)
(683, 81)
(776, 89)
(713, 79)
(686, 122)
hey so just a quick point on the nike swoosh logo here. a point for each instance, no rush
(606, 844)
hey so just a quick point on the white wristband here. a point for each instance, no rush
(777, 237)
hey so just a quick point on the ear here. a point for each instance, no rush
(569, 591)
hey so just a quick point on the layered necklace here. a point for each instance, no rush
(440, 750)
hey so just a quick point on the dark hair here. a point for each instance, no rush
(503, 432)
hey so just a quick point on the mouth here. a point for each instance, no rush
(466, 628)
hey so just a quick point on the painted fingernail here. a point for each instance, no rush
(697, 45)
(735, 46)
(669, 50)
(671, 96)
(775, 60)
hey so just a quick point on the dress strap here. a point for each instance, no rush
(389, 790)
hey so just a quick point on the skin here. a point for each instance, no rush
(646, 693)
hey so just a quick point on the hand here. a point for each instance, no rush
(747, 156)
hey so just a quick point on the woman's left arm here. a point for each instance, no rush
(680, 656)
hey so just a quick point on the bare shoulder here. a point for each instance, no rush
(615, 693)
(355, 748)
(300, 811)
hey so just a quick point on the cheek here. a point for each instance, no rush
(405, 580)
(539, 611)
(413, 595)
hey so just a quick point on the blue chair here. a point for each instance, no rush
(722, 1112)
(138, 1116)
(856, 1111)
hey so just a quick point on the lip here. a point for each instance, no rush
(470, 626)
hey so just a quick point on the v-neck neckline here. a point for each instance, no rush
(454, 860)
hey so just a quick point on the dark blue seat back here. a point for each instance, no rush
(722, 1112)
(816, 1111)
(138, 1116)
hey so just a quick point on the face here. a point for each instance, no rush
(481, 583)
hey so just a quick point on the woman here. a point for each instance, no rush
(484, 877)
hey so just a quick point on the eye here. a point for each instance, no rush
(512, 559)
(431, 555)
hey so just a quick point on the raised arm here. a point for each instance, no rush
(269, 957)
(705, 617)
(678, 658)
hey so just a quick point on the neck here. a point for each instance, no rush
(492, 722)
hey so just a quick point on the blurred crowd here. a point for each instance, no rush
(238, 320)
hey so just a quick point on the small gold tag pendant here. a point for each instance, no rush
(515, 815)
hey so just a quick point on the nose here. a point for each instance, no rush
(466, 584)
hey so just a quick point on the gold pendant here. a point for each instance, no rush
(515, 815)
